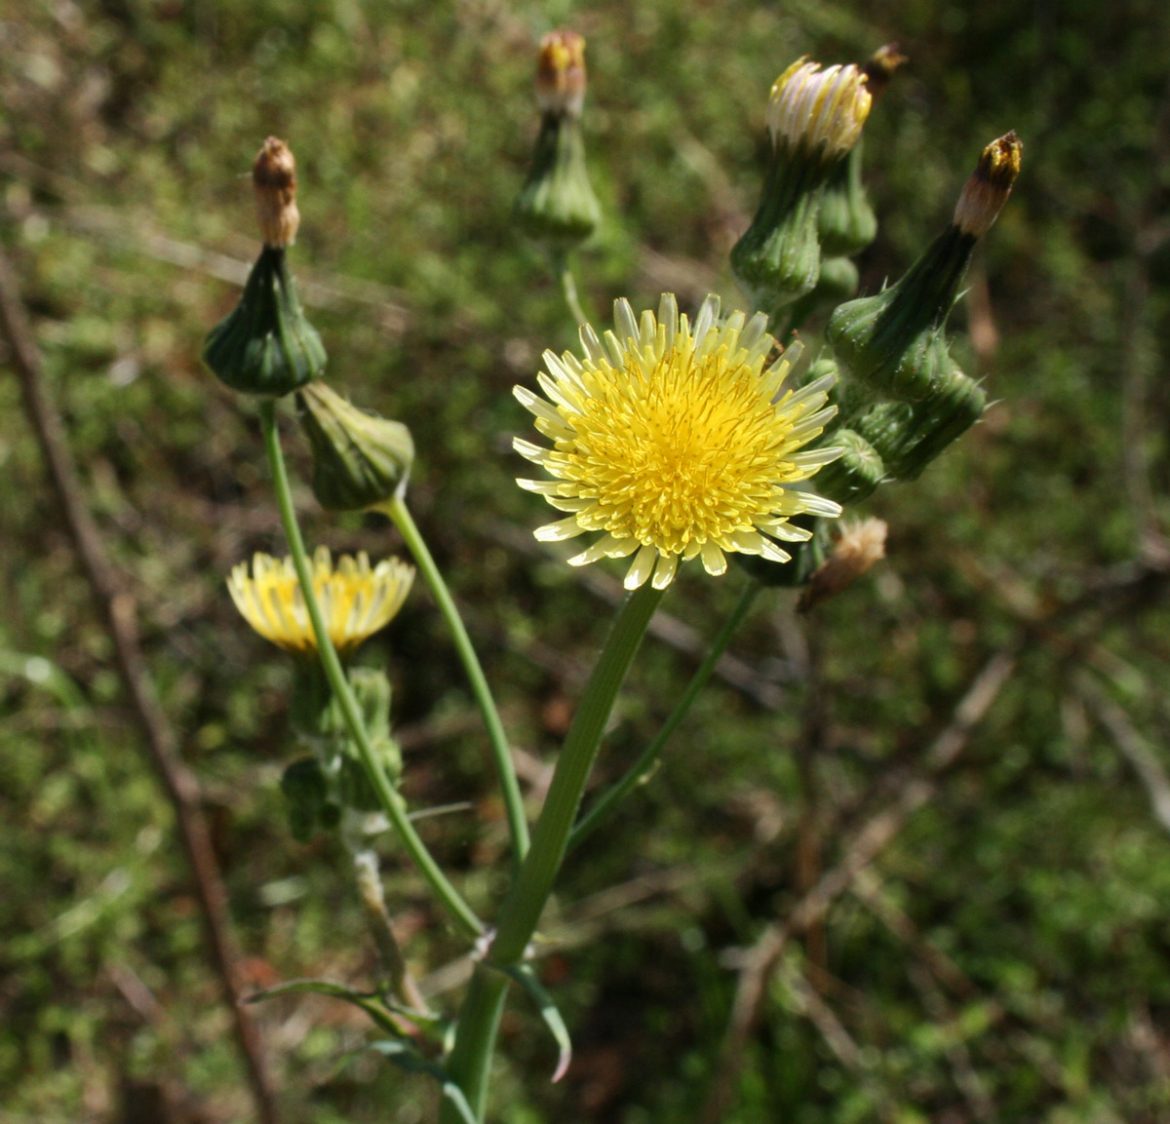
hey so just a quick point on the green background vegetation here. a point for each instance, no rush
(1037, 872)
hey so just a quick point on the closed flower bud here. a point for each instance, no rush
(556, 205)
(371, 690)
(836, 282)
(846, 223)
(894, 342)
(908, 436)
(815, 117)
(856, 473)
(360, 459)
(266, 346)
(990, 184)
(307, 793)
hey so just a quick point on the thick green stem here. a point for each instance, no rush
(640, 769)
(475, 1037)
(501, 755)
(392, 803)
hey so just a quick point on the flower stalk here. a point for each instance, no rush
(392, 804)
(640, 770)
(400, 515)
(479, 1019)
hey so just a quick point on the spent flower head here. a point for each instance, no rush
(356, 599)
(985, 193)
(560, 73)
(274, 178)
(881, 66)
(894, 341)
(819, 110)
(677, 440)
(859, 547)
(556, 206)
(266, 345)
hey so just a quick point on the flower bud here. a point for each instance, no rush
(371, 690)
(908, 436)
(556, 205)
(815, 117)
(266, 346)
(359, 458)
(894, 342)
(856, 473)
(307, 793)
(274, 178)
(846, 223)
(818, 113)
(836, 282)
(859, 547)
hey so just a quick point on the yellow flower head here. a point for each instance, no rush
(676, 441)
(356, 599)
(814, 108)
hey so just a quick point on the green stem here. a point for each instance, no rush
(475, 1036)
(637, 773)
(568, 284)
(501, 755)
(392, 803)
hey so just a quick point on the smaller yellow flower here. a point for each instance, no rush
(356, 599)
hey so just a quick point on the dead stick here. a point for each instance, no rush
(118, 608)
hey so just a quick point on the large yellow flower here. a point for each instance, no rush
(677, 440)
(356, 599)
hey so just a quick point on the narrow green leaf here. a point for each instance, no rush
(409, 1060)
(366, 1001)
(526, 978)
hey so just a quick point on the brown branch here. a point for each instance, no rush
(118, 608)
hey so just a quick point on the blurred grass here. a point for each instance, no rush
(1039, 870)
